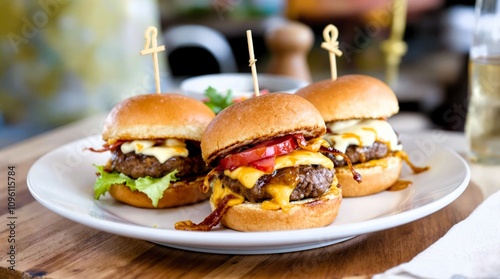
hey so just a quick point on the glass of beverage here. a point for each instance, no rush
(482, 126)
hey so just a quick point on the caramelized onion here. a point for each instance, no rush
(355, 175)
(313, 145)
(210, 221)
(323, 146)
(206, 182)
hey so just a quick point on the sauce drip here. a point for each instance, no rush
(400, 185)
(373, 130)
(414, 168)
(353, 135)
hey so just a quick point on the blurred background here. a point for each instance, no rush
(62, 60)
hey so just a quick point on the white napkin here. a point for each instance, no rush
(470, 249)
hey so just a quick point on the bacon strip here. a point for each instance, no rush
(210, 221)
(301, 141)
(106, 147)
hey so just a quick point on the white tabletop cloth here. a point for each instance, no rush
(470, 249)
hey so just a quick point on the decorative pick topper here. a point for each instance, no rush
(151, 47)
(394, 48)
(252, 63)
(330, 35)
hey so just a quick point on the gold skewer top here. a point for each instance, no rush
(151, 47)
(330, 35)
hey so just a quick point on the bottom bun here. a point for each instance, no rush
(377, 176)
(304, 214)
(179, 193)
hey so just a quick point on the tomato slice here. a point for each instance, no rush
(265, 165)
(271, 148)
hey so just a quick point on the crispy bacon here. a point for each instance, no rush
(301, 141)
(210, 221)
(106, 147)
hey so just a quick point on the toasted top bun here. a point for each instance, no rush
(351, 97)
(258, 119)
(157, 116)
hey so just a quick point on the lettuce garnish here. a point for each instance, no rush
(152, 187)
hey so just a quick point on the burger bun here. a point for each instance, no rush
(351, 97)
(259, 119)
(377, 175)
(157, 116)
(179, 193)
(303, 214)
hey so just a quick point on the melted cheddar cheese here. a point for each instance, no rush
(281, 197)
(219, 192)
(168, 149)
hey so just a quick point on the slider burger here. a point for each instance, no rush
(269, 173)
(154, 140)
(355, 109)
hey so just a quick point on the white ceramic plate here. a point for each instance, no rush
(240, 84)
(62, 181)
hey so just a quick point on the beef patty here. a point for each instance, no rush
(360, 154)
(139, 165)
(312, 182)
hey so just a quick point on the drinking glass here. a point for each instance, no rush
(482, 126)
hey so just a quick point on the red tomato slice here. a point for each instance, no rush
(271, 148)
(265, 165)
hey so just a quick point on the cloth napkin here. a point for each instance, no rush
(470, 249)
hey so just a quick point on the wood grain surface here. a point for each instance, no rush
(50, 246)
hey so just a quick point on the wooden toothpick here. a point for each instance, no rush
(151, 47)
(252, 63)
(394, 47)
(330, 35)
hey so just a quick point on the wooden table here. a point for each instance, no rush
(52, 246)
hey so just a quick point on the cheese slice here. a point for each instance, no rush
(362, 133)
(168, 149)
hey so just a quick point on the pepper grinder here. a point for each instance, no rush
(289, 45)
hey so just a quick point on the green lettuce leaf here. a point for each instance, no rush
(218, 101)
(152, 187)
